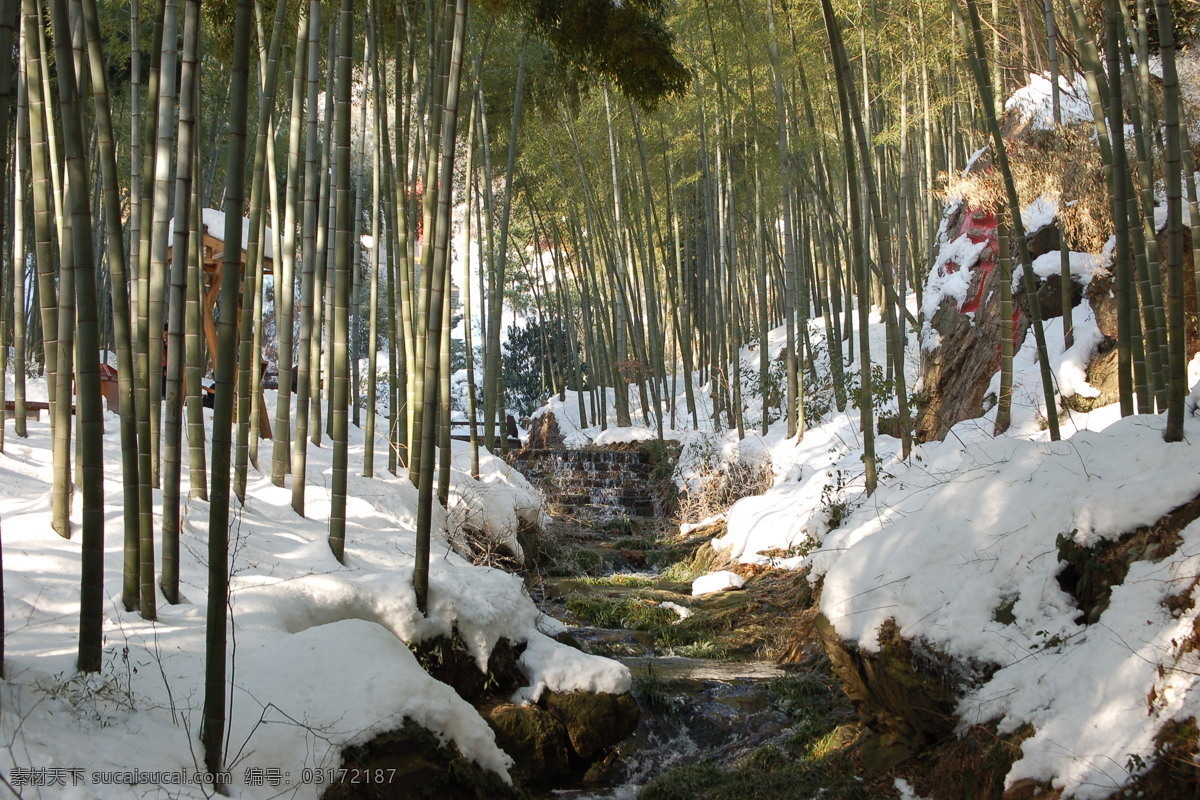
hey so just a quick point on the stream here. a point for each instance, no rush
(707, 693)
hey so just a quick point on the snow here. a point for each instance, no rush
(214, 225)
(624, 435)
(318, 650)
(682, 612)
(1038, 214)
(949, 278)
(717, 581)
(1034, 104)
(906, 791)
(982, 512)
(1082, 266)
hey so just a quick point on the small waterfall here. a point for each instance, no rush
(592, 485)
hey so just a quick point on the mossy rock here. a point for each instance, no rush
(412, 764)
(594, 721)
(535, 739)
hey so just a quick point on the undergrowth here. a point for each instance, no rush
(698, 636)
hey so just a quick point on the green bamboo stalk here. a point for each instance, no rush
(213, 724)
(285, 279)
(1176, 327)
(305, 357)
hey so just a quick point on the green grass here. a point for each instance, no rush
(632, 613)
(619, 579)
(578, 562)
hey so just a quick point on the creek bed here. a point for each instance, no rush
(694, 710)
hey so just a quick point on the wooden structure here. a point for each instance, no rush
(212, 261)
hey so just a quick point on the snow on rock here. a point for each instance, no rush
(717, 582)
(1096, 695)
(550, 665)
(1082, 267)
(1038, 214)
(291, 678)
(1033, 103)
(1068, 367)
(680, 611)
(950, 278)
(496, 504)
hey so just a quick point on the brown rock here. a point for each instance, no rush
(535, 739)
(595, 722)
(907, 696)
(635, 557)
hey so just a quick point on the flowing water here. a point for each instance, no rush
(693, 709)
(702, 699)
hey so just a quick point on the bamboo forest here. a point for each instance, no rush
(660, 399)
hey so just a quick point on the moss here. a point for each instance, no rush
(618, 579)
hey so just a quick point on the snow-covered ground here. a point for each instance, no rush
(965, 533)
(317, 654)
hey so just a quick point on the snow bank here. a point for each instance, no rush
(318, 659)
(987, 517)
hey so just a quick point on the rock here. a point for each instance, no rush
(636, 558)
(535, 739)
(594, 721)
(414, 764)
(717, 582)
(449, 662)
(544, 434)
(905, 692)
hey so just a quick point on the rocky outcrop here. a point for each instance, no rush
(564, 734)
(955, 374)
(904, 693)
(535, 739)
(594, 722)
(551, 742)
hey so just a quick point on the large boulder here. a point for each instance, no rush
(535, 739)
(595, 722)
(962, 352)
(412, 764)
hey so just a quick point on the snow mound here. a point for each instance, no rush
(1034, 102)
(717, 582)
(989, 516)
